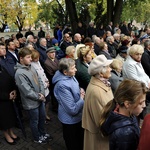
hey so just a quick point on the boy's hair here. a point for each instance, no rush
(24, 52)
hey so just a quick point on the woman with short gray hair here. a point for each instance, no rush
(98, 94)
(70, 101)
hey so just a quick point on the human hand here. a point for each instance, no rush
(12, 95)
(82, 93)
(42, 97)
(47, 82)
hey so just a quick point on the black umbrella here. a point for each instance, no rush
(19, 119)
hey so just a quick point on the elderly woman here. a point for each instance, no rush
(104, 50)
(82, 64)
(116, 74)
(98, 94)
(70, 100)
(70, 52)
(132, 68)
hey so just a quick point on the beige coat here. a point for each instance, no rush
(97, 96)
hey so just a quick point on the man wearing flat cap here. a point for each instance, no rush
(51, 66)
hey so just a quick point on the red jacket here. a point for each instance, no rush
(144, 142)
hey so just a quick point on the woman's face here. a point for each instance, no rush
(139, 106)
(107, 74)
(72, 71)
(105, 47)
(72, 53)
(119, 69)
(88, 57)
(137, 56)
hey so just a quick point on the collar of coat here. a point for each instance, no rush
(99, 83)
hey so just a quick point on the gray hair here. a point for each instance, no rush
(146, 43)
(116, 35)
(102, 70)
(109, 38)
(28, 37)
(65, 64)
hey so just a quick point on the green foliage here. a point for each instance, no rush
(136, 10)
(51, 12)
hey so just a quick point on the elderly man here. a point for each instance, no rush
(77, 39)
(51, 66)
(67, 41)
(111, 47)
(30, 40)
(42, 50)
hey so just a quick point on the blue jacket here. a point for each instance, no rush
(67, 93)
(123, 132)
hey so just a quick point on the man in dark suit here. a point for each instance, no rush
(110, 27)
(146, 57)
(12, 55)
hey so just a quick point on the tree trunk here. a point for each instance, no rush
(110, 8)
(117, 11)
(70, 6)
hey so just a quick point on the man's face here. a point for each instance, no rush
(2, 50)
(11, 46)
(51, 55)
(17, 44)
(43, 42)
(26, 60)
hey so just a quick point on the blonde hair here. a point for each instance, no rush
(69, 49)
(116, 64)
(128, 90)
(83, 51)
(135, 49)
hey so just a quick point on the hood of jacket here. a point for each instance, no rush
(116, 121)
(59, 77)
(20, 66)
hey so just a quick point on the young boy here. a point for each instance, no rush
(32, 95)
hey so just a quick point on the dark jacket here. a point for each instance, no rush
(111, 50)
(43, 55)
(51, 67)
(96, 49)
(64, 45)
(145, 61)
(123, 132)
(107, 55)
(90, 31)
(82, 74)
(8, 63)
(41, 34)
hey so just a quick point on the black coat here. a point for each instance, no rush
(145, 61)
(123, 132)
(7, 113)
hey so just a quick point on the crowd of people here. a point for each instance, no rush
(97, 80)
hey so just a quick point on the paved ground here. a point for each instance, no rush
(54, 128)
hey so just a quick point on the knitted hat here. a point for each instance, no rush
(54, 41)
(123, 49)
(51, 50)
(97, 63)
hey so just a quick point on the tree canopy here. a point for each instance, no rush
(29, 13)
